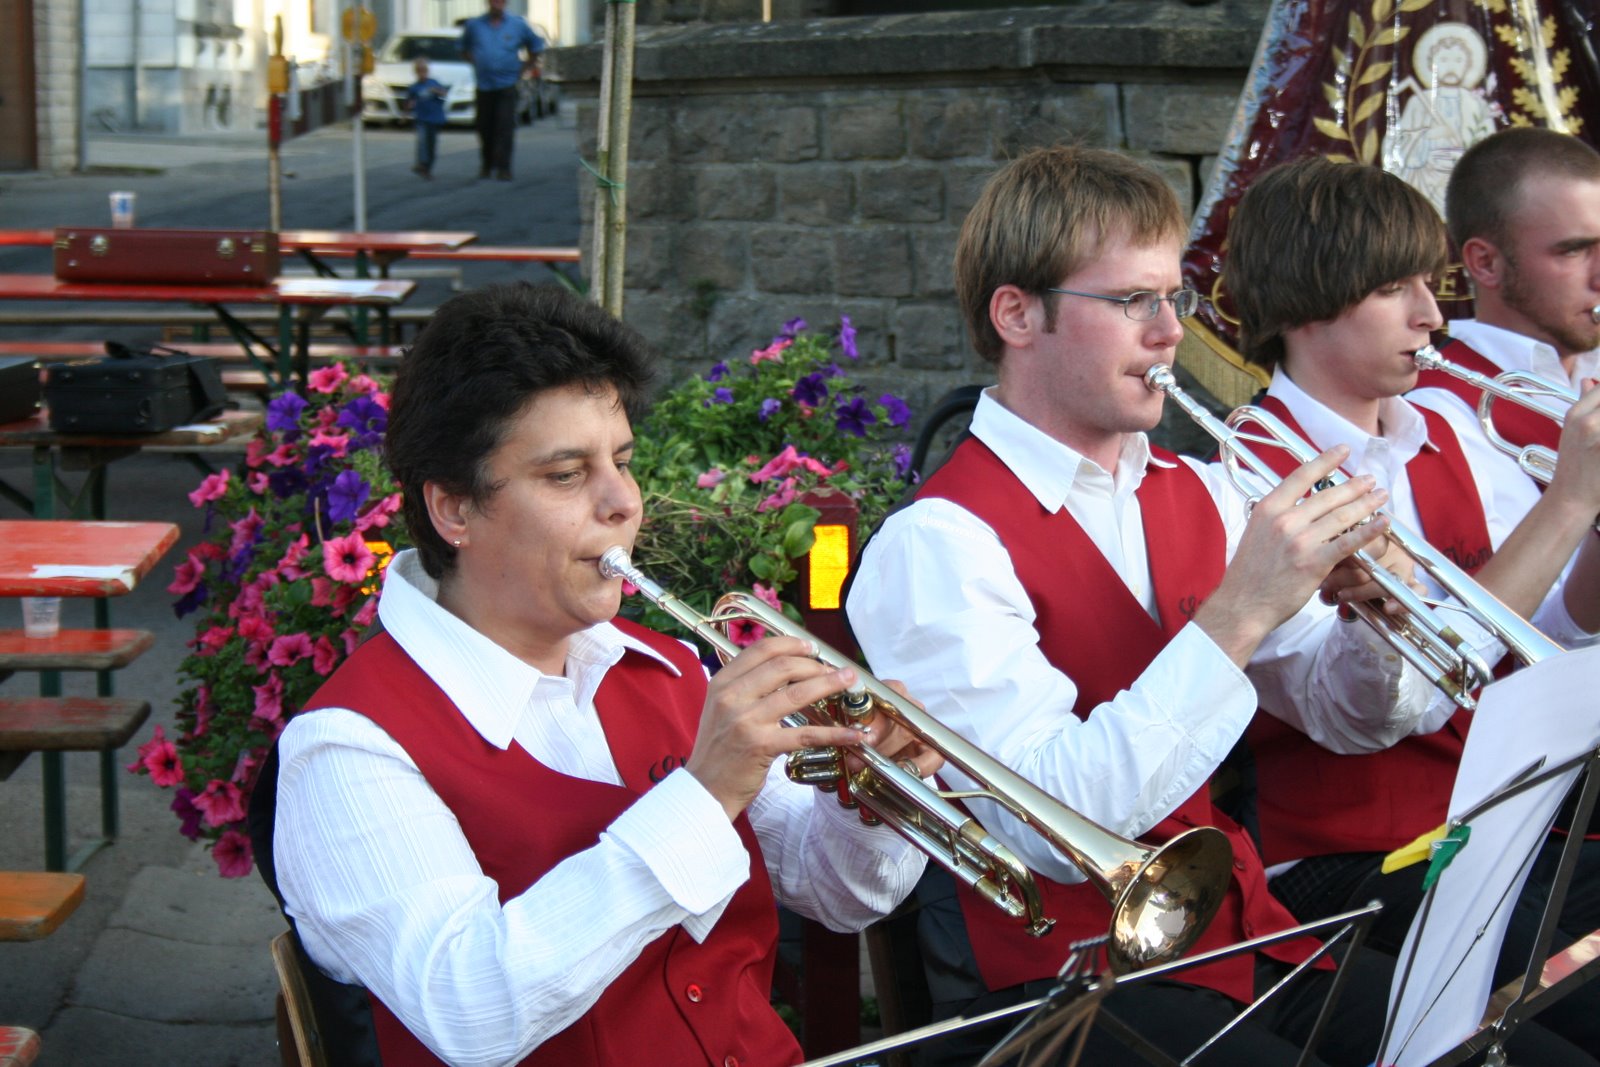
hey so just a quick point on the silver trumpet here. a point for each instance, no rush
(1418, 632)
(1537, 394)
(1162, 898)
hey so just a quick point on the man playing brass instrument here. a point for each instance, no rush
(1331, 268)
(518, 829)
(1084, 607)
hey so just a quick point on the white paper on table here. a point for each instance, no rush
(1549, 712)
(120, 574)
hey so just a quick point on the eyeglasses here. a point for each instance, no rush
(1145, 305)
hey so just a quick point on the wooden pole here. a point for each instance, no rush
(611, 162)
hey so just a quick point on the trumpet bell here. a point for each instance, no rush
(1169, 900)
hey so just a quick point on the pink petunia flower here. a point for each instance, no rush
(786, 462)
(160, 757)
(203, 710)
(786, 495)
(244, 768)
(257, 483)
(186, 576)
(212, 487)
(255, 453)
(362, 384)
(232, 853)
(774, 351)
(377, 516)
(269, 701)
(324, 657)
(766, 596)
(289, 649)
(328, 379)
(710, 478)
(368, 612)
(744, 632)
(221, 803)
(245, 531)
(281, 456)
(350, 639)
(212, 641)
(347, 558)
(338, 442)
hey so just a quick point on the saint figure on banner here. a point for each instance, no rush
(1444, 115)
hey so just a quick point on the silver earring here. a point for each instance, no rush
(457, 543)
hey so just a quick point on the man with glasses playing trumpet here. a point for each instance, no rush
(1331, 268)
(511, 828)
(1084, 607)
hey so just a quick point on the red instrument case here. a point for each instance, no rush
(172, 257)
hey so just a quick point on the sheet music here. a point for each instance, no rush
(1549, 712)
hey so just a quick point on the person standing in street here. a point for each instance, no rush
(425, 101)
(502, 48)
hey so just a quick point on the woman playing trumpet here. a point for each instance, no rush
(531, 831)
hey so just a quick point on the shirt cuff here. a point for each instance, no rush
(701, 862)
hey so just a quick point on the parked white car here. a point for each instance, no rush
(383, 92)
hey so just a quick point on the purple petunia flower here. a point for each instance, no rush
(854, 417)
(810, 390)
(901, 455)
(721, 395)
(832, 370)
(895, 408)
(847, 337)
(719, 371)
(191, 601)
(183, 807)
(364, 417)
(769, 407)
(792, 327)
(283, 413)
(348, 493)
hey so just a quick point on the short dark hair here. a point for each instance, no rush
(1312, 238)
(475, 366)
(1485, 185)
(1043, 216)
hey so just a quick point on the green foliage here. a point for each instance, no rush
(724, 461)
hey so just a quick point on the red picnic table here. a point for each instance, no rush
(310, 297)
(72, 559)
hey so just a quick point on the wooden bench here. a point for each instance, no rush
(224, 352)
(72, 650)
(34, 903)
(69, 724)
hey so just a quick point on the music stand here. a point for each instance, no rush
(1524, 997)
(1071, 1006)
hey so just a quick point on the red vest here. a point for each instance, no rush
(1513, 421)
(1314, 802)
(680, 1002)
(1095, 631)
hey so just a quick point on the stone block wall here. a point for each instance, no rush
(56, 61)
(823, 167)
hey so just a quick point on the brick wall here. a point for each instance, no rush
(823, 166)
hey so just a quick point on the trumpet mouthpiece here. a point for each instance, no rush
(1594, 313)
(1427, 358)
(1158, 377)
(614, 562)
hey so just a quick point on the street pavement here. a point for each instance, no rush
(166, 962)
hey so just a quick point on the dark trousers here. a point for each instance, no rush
(497, 127)
(1327, 885)
(1175, 1017)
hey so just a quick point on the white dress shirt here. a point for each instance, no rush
(1403, 434)
(1512, 492)
(937, 603)
(386, 892)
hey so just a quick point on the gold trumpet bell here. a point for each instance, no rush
(1167, 898)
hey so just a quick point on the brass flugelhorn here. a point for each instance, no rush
(1162, 898)
(1419, 633)
(1538, 394)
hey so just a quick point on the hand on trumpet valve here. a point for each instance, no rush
(1350, 582)
(742, 727)
(1577, 473)
(1295, 537)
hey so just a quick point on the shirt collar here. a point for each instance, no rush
(1403, 431)
(1050, 470)
(490, 686)
(1510, 350)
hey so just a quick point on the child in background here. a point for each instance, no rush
(425, 101)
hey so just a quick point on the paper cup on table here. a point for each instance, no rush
(41, 616)
(122, 210)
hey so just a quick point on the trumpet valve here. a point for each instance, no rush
(820, 767)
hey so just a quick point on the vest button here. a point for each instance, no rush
(1238, 865)
(730, 1061)
(694, 993)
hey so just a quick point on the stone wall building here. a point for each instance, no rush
(819, 167)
